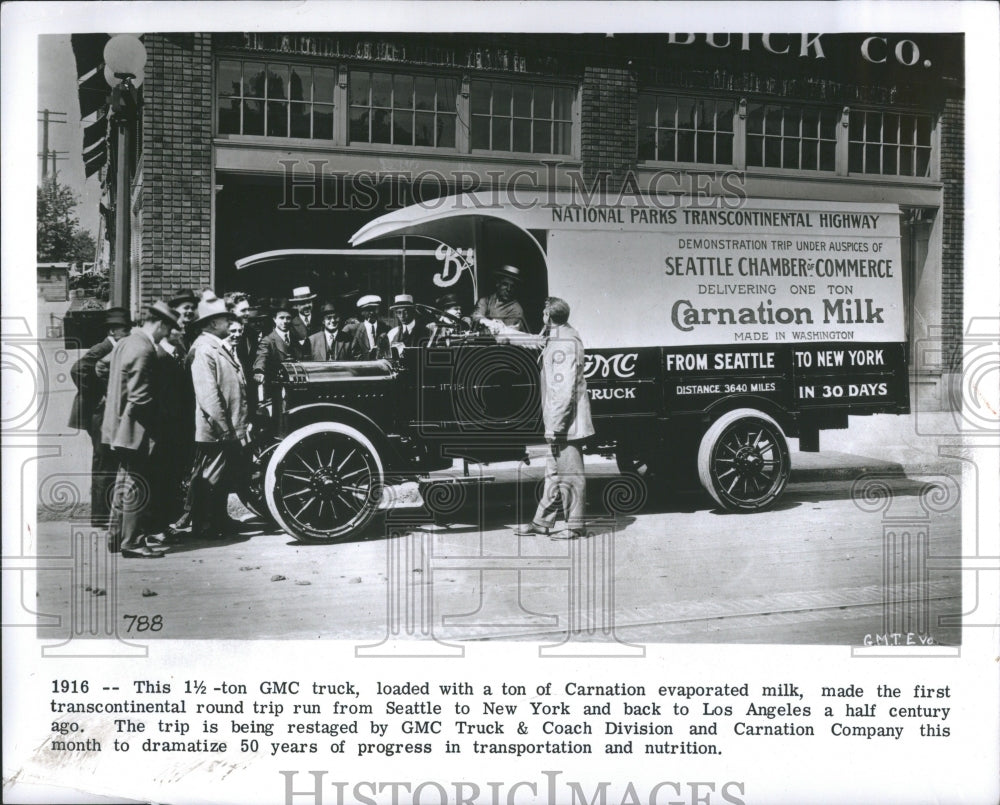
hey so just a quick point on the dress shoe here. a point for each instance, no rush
(531, 530)
(142, 552)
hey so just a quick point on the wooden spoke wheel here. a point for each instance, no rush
(743, 460)
(324, 482)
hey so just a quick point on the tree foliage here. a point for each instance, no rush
(60, 238)
(84, 248)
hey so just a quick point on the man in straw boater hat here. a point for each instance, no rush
(501, 307)
(220, 422)
(131, 428)
(332, 343)
(90, 376)
(407, 329)
(304, 323)
(371, 340)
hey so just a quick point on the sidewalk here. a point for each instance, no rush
(918, 444)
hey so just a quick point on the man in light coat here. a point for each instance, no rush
(220, 422)
(566, 416)
(131, 428)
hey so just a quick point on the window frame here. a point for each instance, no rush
(841, 143)
(800, 139)
(349, 69)
(573, 121)
(933, 159)
(288, 63)
(715, 98)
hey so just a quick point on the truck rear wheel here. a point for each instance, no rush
(743, 460)
(324, 482)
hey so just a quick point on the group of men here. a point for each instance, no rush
(362, 334)
(167, 403)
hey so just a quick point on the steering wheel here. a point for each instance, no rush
(460, 324)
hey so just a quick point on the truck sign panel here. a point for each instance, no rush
(766, 271)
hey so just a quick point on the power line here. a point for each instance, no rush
(46, 119)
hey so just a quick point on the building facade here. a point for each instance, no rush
(265, 141)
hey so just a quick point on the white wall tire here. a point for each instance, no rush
(324, 482)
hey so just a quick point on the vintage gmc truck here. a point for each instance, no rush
(716, 329)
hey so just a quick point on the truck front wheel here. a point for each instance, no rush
(324, 482)
(743, 460)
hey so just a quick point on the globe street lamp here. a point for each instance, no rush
(124, 60)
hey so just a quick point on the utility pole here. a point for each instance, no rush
(46, 120)
(54, 156)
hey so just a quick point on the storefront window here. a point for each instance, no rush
(676, 128)
(274, 100)
(890, 143)
(530, 118)
(401, 109)
(796, 137)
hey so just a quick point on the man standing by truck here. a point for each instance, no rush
(132, 427)
(566, 416)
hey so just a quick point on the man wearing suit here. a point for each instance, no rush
(131, 428)
(246, 343)
(566, 415)
(371, 340)
(90, 375)
(332, 343)
(173, 455)
(184, 304)
(304, 323)
(278, 346)
(220, 422)
(177, 346)
(408, 330)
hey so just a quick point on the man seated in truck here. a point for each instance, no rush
(501, 307)
(449, 327)
(407, 329)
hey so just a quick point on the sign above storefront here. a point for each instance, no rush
(422, 50)
(848, 58)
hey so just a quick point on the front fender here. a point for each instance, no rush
(309, 413)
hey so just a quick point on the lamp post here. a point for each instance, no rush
(124, 60)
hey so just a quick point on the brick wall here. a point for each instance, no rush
(953, 242)
(608, 126)
(176, 165)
